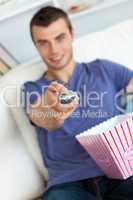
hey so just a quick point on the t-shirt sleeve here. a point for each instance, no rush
(119, 74)
(30, 92)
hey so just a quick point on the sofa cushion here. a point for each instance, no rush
(19, 175)
(22, 172)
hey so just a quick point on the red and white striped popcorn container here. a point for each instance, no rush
(110, 144)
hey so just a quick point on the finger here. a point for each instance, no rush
(53, 89)
(59, 87)
(53, 92)
(66, 107)
(63, 115)
(63, 107)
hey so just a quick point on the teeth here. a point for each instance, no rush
(55, 59)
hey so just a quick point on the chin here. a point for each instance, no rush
(57, 65)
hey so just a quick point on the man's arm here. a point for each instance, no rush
(47, 112)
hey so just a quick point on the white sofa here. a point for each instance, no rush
(22, 172)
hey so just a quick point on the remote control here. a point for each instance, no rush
(68, 97)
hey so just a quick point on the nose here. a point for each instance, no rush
(54, 48)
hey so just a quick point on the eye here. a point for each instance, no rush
(61, 37)
(43, 44)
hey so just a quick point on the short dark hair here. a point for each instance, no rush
(47, 15)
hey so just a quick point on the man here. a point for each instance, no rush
(73, 175)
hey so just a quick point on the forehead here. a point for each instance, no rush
(52, 31)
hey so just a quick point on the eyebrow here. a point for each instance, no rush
(40, 41)
(57, 37)
(60, 35)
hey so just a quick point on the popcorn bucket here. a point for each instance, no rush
(110, 144)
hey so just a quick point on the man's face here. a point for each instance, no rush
(54, 43)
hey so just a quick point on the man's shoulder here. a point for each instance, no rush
(97, 64)
(29, 86)
(101, 64)
(35, 85)
(33, 89)
(101, 68)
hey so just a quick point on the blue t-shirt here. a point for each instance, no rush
(97, 83)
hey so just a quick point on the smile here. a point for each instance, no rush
(56, 59)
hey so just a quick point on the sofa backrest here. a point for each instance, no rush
(114, 43)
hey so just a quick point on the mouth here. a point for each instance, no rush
(56, 59)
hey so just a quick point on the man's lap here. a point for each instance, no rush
(69, 191)
(80, 190)
(120, 190)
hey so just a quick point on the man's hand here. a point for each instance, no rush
(47, 112)
(129, 88)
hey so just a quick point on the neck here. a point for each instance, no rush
(62, 74)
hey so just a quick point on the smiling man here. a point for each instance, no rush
(73, 175)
